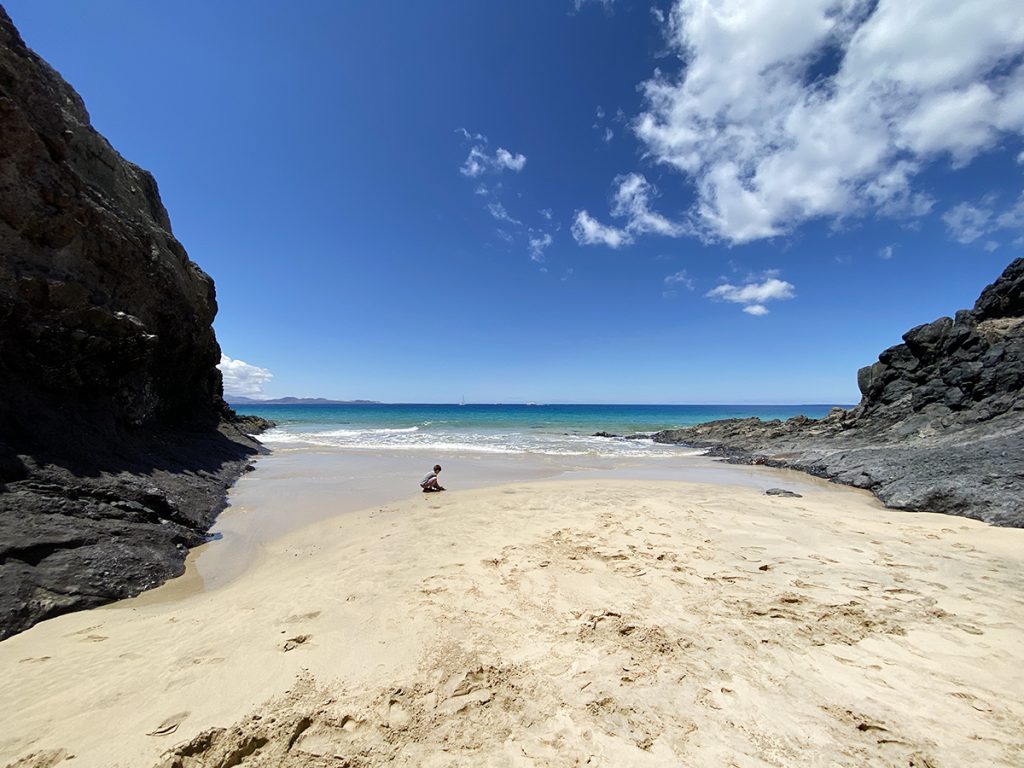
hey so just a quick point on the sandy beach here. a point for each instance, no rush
(596, 620)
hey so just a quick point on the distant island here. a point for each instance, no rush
(239, 400)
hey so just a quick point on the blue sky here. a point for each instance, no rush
(566, 201)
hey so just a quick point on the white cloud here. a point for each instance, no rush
(505, 159)
(754, 295)
(546, 213)
(503, 235)
(471, 136)
(479, 162)
(243, 379)
(966, 222)
(498, 211)
(476, 163)
(1013, 218)
(588, 231)
(599, 112)
(680, 278)
(789, 110)
(481, 189)
(537, 246)
(632, 202)
(1020, 159)
(608, 135)
(606, 4)
(885, 253)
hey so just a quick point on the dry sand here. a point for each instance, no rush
(605, 622)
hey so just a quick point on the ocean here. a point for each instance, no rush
(556, 430)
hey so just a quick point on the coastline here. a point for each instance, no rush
(634, 621)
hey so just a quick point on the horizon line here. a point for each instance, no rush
(366, 401)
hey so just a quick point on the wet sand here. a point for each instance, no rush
(588, 621)
(298, 487)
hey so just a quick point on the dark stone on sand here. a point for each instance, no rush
(940, 424)
(783, 492)
(116, 446)
(604, 434)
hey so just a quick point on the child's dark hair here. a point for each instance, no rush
(437, 467)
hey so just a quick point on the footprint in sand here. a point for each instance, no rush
(461, 690)
(328, 739)
(170, 724)
(398, 718)
(970, 629)
(46, 759)
(94, 638)
(302, 617)
(823, 559)
(210, 660)
(85, 631)
(973, 700)
(294, 642)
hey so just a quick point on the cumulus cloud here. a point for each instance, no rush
(505, 159)
(586, 230)
(885, 253)
(241, 378)
(538, 243)
(753, 295)
(631, 202)
(789, 110)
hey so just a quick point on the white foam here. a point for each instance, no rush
(361, 432)
(414, 439)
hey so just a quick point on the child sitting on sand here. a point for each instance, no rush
(429, 483)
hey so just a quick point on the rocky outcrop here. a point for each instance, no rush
(940, 424)
(116, 446)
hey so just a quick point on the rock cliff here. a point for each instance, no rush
(940, 424)
(116, 446)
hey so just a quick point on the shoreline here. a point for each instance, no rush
(338, 482)
(636, 621)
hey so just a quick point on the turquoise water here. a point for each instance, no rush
(544, 429)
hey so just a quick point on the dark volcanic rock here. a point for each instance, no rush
(940, 424)
(783, 492)
(116, 446)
